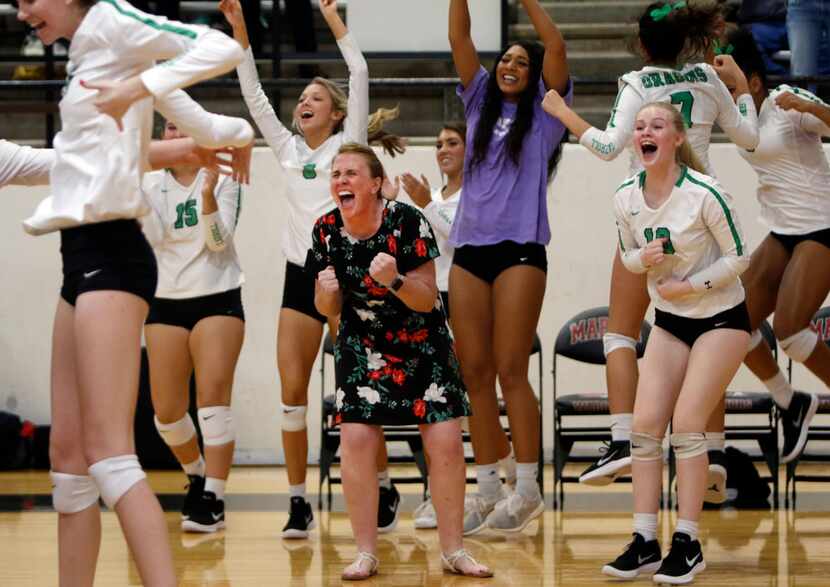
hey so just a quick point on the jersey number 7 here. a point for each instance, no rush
(686, 101)
(661, 232)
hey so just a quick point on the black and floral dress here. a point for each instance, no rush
(393, 365)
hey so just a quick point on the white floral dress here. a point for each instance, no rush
(393, 365)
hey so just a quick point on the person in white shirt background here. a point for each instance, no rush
(787, 274)
(439, 207)
(669, 34)
(196, 322)
(324, 119)
(109, 269)
(677, 226)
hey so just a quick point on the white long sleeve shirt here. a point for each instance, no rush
(195, 252)
(307, 171)
(705, 242)
(699, 94)
(441, 214)
(24, 165)
(97, 171)
(793, 172)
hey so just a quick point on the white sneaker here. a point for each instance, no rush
(515, 512)
(476, 509)
(424, 514)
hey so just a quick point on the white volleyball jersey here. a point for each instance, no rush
(441, 214)
(793, 173)
(195, 253)
(307, 171)
(695, 90)
(97, 172)
(24, 165)
(705, 243)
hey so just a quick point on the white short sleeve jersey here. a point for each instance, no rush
(189, 262)
(793, 173)
(98, 168)
(441, 214)
(307, 171)
(695, 90)
(704, 243)
(24, 165)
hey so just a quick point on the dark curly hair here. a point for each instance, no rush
(746, 54)
(681, 33)
(492, 106)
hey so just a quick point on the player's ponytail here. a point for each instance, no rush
(672, 32)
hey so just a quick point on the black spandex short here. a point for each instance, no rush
(107, 256)
(689, 330)
(790, 241)
(186, 313)
(298, 292)
(487, 262)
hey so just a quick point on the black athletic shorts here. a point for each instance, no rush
(790, 241)
(689, 330)
(298, 291)
(107, 256)
(186, 313)
(487, 262)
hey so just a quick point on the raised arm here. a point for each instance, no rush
(555, 66)
(357, 118)
(737, 117)
(464, 53)
(207, 129)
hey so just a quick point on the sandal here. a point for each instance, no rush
(356, 572)
(450, 564)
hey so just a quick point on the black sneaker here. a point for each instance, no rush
(684, 561)
(207, 514)
(639, 557)
(615, 461)
(716, 479)
(300, 519)
(194, 494)
(795, 421)
(388, 509)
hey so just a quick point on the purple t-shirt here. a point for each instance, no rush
(502, 201)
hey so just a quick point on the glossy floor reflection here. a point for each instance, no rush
(746, 548)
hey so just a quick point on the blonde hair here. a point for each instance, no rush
(684, 155)
(391, 143)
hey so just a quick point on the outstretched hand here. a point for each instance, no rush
(115, 98)
(233, 12)
(241, 163)
(554, 104)
(389, 189)
(328, 7)
(418, 191)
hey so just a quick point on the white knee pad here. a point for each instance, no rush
(72, 493)
(217, 426)
(754, 340)
(293, 418)
(611, 341)
(800, 345)
(178, 432)
(688, 445)
(645, 447)
(115, 476)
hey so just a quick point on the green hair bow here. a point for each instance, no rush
(719, 50)
(659, 14)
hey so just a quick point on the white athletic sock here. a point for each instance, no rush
(526, 483)
(646, 526)
(687, 527)
(489, 483)
(216, 486)
(715, 441)
(621, 426)
(297, 490)
(196, 468)
(508, 467)
(384, 480)
(780, 389)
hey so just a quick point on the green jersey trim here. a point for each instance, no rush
(625, 184)
(738, 245)
(152, 23)
(238, 206)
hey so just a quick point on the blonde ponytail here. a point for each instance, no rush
(685, 155)
(392, 144)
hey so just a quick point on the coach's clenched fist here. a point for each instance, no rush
(327, 279)
(384, 269)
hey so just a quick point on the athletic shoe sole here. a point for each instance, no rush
(606, 474)
(682, 579)
(425, 524)
(191, 526)
(533, 515)
(805, 430)
(648, 569)
(294, 534)
(716, 478)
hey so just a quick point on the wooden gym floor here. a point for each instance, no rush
(747, 548)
